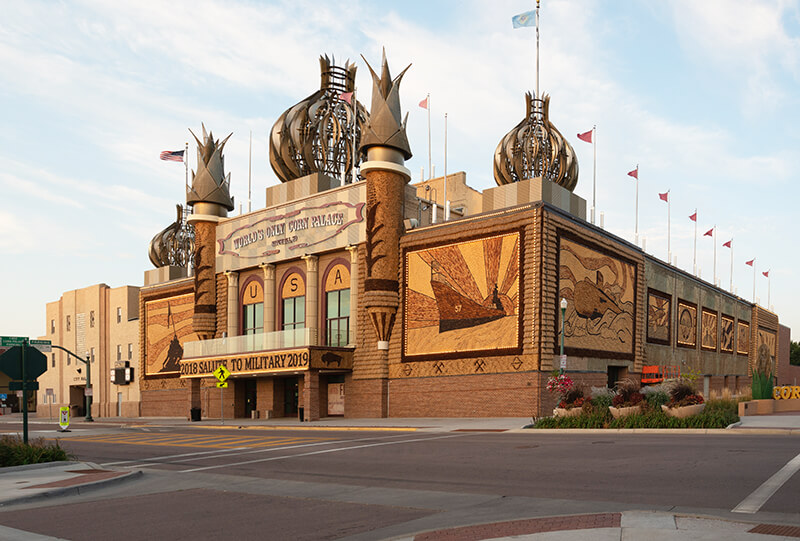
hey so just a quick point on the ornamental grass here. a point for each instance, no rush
(14, 452)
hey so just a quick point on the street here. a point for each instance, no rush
(254, 483)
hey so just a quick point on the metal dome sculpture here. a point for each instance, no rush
(174, 244)
(536, 149)
(210, 184)
(316, 135)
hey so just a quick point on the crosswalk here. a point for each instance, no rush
(214, 441)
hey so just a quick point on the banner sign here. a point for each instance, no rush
(248, 363)
(325, 222)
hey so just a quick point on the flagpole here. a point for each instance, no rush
(769, 280)
(430, 169)
(694, 257)
(669, 235)
(355, 127)
(186, 165)
(446, 206)
(636, 231)
(537, 51)
(250, 174)
(754, 280)
(714, 238)
(731, 265)
(594, 171)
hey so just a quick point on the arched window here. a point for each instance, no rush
(293, 297)
(252, 307)
(337, 303)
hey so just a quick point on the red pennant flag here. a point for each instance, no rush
(664, 196)
(634, 173)
(709, 233)
(693, 217)
(750, 262)
(587, 137)
(766, 274)
(424, 103)
(728, 244)
(346, 96)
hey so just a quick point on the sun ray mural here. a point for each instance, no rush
(463, 297)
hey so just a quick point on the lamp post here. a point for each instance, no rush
(88, 417)
(563, 316)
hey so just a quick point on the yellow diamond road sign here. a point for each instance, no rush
(222, 373)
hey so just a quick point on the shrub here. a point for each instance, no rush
(682, 393)
(627, 394)
(13, 452)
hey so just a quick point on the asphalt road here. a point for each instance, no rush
(301, 484)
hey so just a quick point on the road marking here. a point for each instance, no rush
(224, 453)
(195, 440)
(759, 497)
(323, 451)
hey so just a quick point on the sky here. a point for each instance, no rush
(703, 96)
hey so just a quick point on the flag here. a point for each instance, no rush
(634, 173)
(709, 233)
(524, 19)
(693, 217)
(172, 155)
(766, 274)
(664, 196)
(424, 103)
(728, 244)
(586, 136)
(346, 96)
(750, 262)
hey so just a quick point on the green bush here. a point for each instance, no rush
(762, 385)
(656, 399)
(13, 452)
(718, 413)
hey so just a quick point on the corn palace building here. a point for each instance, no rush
(356, 295)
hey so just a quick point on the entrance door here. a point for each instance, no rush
(290, 397)
(250, 397)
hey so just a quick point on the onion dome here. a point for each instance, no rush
(210, 184)
(174, 244)
(535, 149)
(316, 135)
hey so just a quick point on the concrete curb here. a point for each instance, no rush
(72, 490)
(698, 431)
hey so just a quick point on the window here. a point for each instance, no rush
(338, 317)
(130, 351)
(68, 325)
(253, 308)
(293, 295)
(52, 360)
(69, 360)
(91, 355)
(52, 326)
(337, 302)
(119, 314)
(91, 319)
(119, 352)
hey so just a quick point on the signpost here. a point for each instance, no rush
(22, 363)
(221, 373)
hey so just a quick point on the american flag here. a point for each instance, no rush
(172, 155)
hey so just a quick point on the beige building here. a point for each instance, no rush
(101, 323)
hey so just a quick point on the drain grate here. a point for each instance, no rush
(776, 529)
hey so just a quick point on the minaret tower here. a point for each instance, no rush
(386, 147)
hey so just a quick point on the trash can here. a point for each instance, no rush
(195, 414)
(301, 414)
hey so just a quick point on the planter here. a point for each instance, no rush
(683, 411)
(616, 413)
(564, 412)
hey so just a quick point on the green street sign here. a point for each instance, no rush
(17, 386)
(45, 346)
(11, 363)
(12, 340)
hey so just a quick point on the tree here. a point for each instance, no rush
(794, 353)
